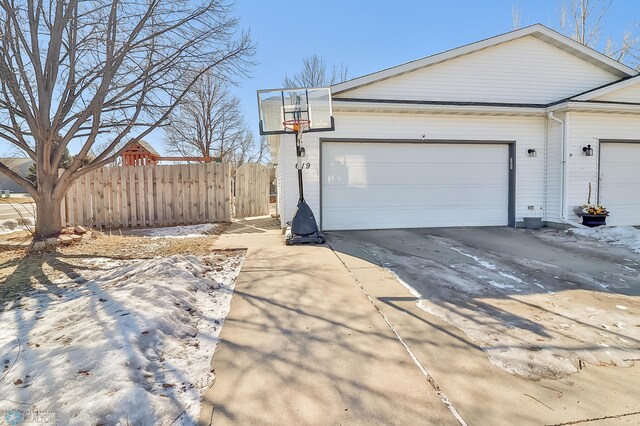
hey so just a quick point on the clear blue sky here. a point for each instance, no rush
(368, 36)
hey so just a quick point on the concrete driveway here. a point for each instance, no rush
(515, 326)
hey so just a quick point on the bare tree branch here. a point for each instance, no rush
(314, 73)
(104, 73)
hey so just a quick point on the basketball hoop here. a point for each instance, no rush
(297, 125)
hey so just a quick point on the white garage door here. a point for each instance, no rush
(403, 185)
(620, 182)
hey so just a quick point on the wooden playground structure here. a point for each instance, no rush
(142, 153)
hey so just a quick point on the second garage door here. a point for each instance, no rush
(412, 185)
(620, 182)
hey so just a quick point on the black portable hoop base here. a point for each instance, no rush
(304, 228)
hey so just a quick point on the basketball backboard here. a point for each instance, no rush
(309, 105)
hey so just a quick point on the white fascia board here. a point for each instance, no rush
(413, 108)
(610, 107)
(537, 30)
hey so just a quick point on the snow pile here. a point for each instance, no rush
(626, 236)
(187, 231)
(128, 343)
(20, 224)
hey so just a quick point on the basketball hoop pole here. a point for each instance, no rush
(299, 155)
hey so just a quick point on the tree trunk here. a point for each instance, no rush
(48, 218)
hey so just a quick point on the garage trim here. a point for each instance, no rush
(600, 142)
(512, 162)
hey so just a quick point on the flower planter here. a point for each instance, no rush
(533, 223)
(594, 220)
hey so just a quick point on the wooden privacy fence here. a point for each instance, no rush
(252, 190)
(114, 197)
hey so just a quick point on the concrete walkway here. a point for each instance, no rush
(303, 345)
(263, 231)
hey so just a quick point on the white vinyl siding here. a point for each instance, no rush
(413, 185)
(620, 182)
(588, 129)
(553, 170)
(629, 94)
(526, 132)
(525, 70)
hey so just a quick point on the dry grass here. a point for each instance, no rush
(19, 236)
(134, 247)
(21, 271)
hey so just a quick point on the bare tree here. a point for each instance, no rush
(101, 72)
(314, 73)
(627, 50)
(249, 151)
(582, 20)
(516, 17)
(208, 121)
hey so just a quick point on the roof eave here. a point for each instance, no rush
(586, 106)
(610, 88)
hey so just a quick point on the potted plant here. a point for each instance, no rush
(593, 215)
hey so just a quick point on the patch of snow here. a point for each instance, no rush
(624, 308)
(511, 277)
(130, 344)
(186, 231)
(483, 263)
(625, 236)
(503, 286)
(8, 226)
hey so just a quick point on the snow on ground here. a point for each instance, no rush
(12, 225)
(625, 236)
(128, 342)
(187, 231)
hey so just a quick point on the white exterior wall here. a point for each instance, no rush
(526, 70)
(587, 129)
(554, 170)
(528, 132)
(628, 94)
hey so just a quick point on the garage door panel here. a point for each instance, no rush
(394, 185)
(342, 219)
(421, 196)
(619, 187)
(394, 173)
(380, 153)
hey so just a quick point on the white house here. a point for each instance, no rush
(448, 140)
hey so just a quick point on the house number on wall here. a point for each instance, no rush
(303, 166)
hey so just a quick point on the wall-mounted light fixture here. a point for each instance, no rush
(532, 152)
(588, 151)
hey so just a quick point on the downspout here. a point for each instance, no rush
(565, 173)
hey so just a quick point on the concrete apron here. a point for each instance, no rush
(487, 395)
(303, 345)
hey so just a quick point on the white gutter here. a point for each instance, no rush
(565, 173)
(587, 106)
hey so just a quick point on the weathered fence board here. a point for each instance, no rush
(133, 196)
(252, 190)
